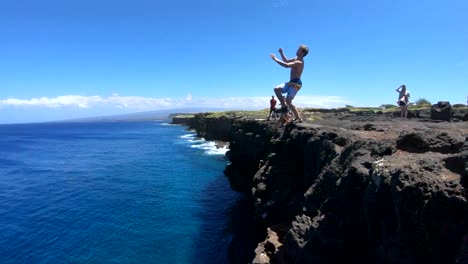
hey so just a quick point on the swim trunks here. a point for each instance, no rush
(291, 87)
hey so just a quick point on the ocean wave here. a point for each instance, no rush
(188, 136)
(208, 147)
(192, 138)
(212, 148)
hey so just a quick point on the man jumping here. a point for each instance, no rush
(294, 85)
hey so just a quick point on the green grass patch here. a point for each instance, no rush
(419, 108)
(241, 113)
(184, 116)
(364, 109)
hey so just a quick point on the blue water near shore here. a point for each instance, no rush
(111, 193)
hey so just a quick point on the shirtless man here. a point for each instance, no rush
(292, 87)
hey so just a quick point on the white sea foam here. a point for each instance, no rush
(192, 138)
(208, 147)
(218, 150)
(211, 148)
(188, 136)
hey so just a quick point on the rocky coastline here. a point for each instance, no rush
(349, 187)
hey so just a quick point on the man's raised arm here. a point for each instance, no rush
(282, 63)
(280, 50)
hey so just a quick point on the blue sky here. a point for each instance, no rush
(67, 59)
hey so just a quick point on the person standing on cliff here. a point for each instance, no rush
(403, 100)
(272, 108)
(294, 85)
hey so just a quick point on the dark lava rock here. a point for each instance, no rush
(441, 111)
(427, 140)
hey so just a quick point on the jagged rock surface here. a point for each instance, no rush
(354, 191)
(441, 111)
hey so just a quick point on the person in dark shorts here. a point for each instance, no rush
(403, 100)
(272, 108)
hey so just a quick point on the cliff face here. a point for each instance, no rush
(381, 192)
(210, 128)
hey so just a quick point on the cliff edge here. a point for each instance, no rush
(360, 188)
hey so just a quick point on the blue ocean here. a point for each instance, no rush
(123, 192)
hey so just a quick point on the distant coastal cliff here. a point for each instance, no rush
(349, 190)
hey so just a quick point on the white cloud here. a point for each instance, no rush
(264, 102)
(79, 101)
(139, 103)
(56, 102)
(321, 101)
(15, 110)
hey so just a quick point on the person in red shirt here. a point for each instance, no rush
(272, 108)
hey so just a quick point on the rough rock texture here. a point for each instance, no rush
(183, 120)
(460, 114)
(210, 128)
(441, 111)
(354, 189)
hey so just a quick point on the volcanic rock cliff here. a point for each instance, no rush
(345, 190)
